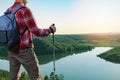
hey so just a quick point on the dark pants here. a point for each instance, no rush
(28, 59)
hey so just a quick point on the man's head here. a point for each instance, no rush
(22, 1)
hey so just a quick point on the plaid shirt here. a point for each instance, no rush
(25, 19)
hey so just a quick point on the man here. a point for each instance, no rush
(23, 53)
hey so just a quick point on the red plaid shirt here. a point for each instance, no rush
(25, 19)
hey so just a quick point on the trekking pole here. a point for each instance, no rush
(53, 55)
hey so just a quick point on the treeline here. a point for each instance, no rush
(63, 44)
(45, 46)
(63, 48)
(4, 75)
(112, 55)
(71, 43)
(68, 44)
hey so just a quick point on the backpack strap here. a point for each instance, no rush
(7, 11)
(24, 31)
(15, 10)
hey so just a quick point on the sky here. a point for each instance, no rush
(74, 16)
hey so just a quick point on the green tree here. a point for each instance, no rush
(24, 76)
(46, 78)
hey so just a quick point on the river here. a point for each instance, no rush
(83, 66)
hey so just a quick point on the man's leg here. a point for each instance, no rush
(30, 63)
(14, 67)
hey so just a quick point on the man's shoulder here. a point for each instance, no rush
(24, 10)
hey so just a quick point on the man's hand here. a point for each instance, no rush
(53, 28)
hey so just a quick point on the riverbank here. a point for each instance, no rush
(112, 55)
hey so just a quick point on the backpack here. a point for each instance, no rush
(9, 33)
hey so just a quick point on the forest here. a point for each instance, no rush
(63, 44)
(66, 45)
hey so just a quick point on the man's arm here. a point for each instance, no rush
(31, 24)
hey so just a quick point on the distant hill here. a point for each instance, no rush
(70, 43)
(70, 40)
(63, 43)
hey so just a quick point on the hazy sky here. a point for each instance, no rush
(74, 16)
